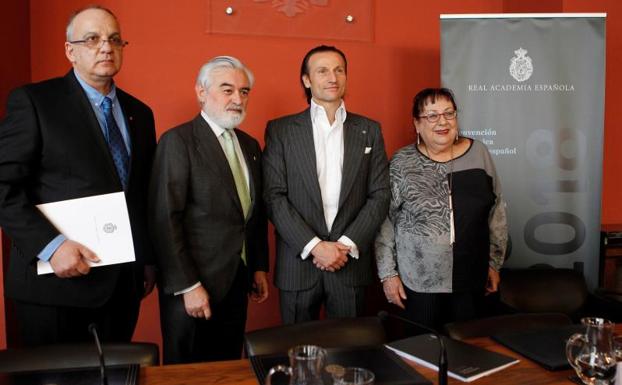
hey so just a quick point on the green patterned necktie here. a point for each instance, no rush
(238, 176)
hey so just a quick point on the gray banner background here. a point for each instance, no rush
(545, 133)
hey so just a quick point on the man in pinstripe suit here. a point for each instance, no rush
(326, 186)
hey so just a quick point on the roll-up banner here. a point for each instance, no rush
(531, 87)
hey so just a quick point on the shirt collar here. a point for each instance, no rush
(317, 110)
(95, 96)
(213, 125)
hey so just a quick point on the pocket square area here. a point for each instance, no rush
(367, 150)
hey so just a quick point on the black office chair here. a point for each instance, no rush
(507, 323)
(612, 294)
(73, 356)
(537, 298)
(328, 333)
(545, 289)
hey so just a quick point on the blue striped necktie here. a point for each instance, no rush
(116, 145)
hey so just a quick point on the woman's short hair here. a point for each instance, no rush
(430, 95)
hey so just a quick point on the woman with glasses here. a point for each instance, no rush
(440, 249)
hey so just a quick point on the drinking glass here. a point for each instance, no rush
(305, 366)
(354, 376)
(617, 346)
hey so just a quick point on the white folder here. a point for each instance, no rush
(99, 222)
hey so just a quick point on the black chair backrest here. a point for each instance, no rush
(329, 333)
(68, 356)
(520, 322)
(538, 290)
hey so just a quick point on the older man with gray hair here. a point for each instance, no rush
(208, 221)
(65, 138)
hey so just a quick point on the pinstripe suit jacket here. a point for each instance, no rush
(294, 202)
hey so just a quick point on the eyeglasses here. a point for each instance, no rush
(95, 41)
(433, 117)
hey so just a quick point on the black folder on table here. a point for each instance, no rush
(388, 368)
(546, 347)
(117, 375)
(465, 362)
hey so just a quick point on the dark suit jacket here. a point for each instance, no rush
(294, 202)
(51, 149)
(195, 213)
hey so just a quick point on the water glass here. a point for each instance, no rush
(617, 347)
(305, 366)
(354, 376)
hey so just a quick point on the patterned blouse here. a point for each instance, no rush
(414, 240)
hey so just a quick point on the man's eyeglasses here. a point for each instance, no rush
(97, 42)
(433, 117)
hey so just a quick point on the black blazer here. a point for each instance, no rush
(196, 218)
(294, 201)
(51, 149)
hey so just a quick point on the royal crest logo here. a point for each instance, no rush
(292, 8)
(521, 67)
(110, 228)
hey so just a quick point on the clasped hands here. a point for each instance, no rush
(330, 256)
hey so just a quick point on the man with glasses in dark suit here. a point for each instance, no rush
(327, 192)
(65, 138)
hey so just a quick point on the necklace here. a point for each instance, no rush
(452, 229)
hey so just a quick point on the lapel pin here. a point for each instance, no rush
(363, 132)
(131, 118)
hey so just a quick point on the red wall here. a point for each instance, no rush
(168, 44)
(14, 70)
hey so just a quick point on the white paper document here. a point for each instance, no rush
(99, 222)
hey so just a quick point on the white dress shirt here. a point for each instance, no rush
(218, 131)
(329, 150)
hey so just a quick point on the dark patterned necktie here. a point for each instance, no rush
(116, 144)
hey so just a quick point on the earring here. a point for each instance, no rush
(457, 137)
(418, 139)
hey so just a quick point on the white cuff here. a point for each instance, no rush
(307, 250)
(188, 289)
(354, 251)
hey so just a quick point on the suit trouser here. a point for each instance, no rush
(115, 320)
(186, 339)
(339, 300)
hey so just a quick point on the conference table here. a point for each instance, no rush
(240, 371)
